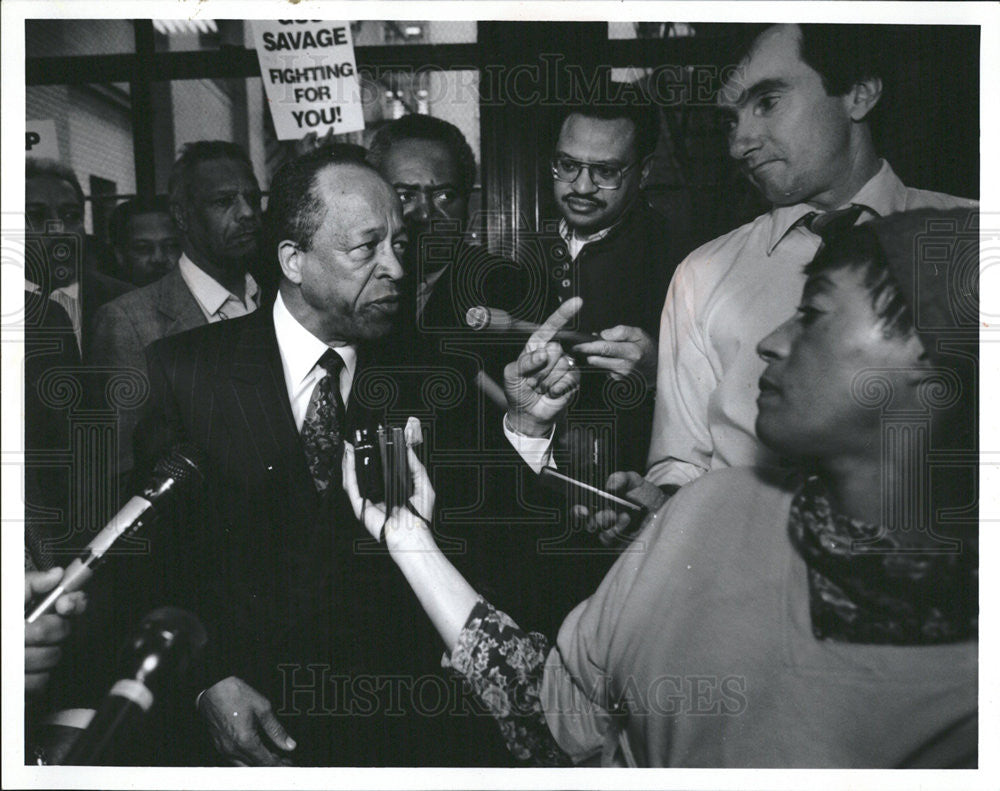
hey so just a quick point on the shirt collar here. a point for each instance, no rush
(72, 290)
(569, 234)
(208, 292)
(882, 194)
(300, 349)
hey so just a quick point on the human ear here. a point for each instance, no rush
(290, 258)
(179, 216)
(647, 165)
(863, 97)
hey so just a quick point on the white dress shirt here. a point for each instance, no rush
(214, 299)
(724, 298)
(68, 298)
(576, 241)
(300, 352)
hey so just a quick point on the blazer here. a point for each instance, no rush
(121, 331)
(297, 599)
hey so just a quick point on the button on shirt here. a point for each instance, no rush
(725, 297)
(214, 299)
(300, 352)
(536, 452)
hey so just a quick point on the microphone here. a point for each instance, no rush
(167, 642)
(479, 318)
(178, 471)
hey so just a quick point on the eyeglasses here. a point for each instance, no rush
(605, 177)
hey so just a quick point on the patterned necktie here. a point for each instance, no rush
(830, 223)
(322, 429)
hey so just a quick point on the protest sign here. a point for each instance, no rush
(310, 76)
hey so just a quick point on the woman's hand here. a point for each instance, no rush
(402, 523)
(442, 591)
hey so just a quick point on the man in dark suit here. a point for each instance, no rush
(215, 200)
(314, 636)
(60, 259)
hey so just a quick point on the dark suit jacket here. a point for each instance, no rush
(297, 600)
(49, 347)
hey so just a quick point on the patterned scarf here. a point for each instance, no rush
(883, 591)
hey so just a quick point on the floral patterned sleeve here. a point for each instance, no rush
(503, 665)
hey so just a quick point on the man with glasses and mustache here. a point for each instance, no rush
(606, 272)
(613, 251)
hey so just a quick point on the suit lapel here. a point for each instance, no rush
(177, 304)
(255, 400)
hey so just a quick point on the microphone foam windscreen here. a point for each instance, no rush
(185, 464)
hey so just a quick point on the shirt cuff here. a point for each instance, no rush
(673, 472)
(536, 451)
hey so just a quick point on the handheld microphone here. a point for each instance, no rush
(180, 470)
(167, 642)
(481, 318)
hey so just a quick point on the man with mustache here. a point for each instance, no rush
(797, 110)
(308, 627)
(215, 202)
(613, 251)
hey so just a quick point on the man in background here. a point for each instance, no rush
(59, 256)
(144, 239)
(432, 168)
(613, 251)
(215, 203)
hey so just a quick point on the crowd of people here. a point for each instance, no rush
(798, 583)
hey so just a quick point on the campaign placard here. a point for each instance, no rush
(310, 76)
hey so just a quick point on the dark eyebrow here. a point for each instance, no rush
(757, 89)
(419, 188)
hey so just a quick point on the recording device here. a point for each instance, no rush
(167, 642)
(563, 484)
(178, 472)
(381, 466)
(481, 318)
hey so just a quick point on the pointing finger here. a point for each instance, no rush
(560, 317)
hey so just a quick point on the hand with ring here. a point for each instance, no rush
(541, 382)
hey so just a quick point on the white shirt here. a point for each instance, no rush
(300, 352)
(724, 298)
(214, 299)
(575, 241)
(68, 298)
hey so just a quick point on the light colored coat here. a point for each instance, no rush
(123, 328)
